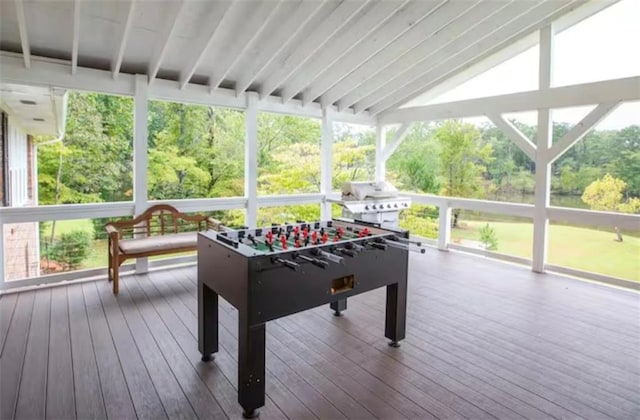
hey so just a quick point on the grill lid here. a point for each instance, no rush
(368, 190)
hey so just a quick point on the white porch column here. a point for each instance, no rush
(444, 226)
(140, 160)
(543, 165)
(251, 159)
(326, 163)
(381, 162)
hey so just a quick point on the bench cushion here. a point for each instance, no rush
(159, 243)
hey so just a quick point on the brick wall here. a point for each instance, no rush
(2, 157)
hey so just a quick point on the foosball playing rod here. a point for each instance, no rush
(403, 246)
(409, 241)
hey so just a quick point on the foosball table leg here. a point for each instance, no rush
(396, 313)
(251, 365)
(338, 306)
(207, 322)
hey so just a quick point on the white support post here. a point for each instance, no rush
(251, 159)
(326, 163)
(381, 167)
(543, 166)
(140, 159)
(444, 226)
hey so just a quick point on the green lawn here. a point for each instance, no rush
(574, 247)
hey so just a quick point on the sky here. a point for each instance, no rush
(604, 46)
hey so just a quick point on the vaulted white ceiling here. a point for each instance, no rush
(358, 55)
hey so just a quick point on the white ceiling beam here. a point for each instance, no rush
(608, 91)
(346, 39)
(76, 36)
(386, 57)
(339, 17)
(220, 10)
(398, 138)
(254, 19)
(402, 21)
(291, 18)
(124, 37)
(173, 12)
(514, 134)
(459, 40)
(544, 14)
(417, 57)
(581, 129)
(24, 36)
(523, 44)
(57, 73)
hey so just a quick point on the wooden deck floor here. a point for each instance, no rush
(484, 340)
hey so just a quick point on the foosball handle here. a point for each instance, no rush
(287, 263)
(314, 261)
(378, 246)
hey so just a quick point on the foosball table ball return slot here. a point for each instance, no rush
(269, 273)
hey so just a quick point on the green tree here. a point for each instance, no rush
(463, 160)
(606, 194)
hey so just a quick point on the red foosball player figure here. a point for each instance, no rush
(314, 238)
(340, 233)
(325, 237)
(298, 244)
(336, 238)
(305, 233)
(296, 230)
(283, 241)
(364, 232)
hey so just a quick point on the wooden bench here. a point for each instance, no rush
(161, 229)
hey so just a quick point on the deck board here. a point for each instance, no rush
(60, 394)
(485, 340)
(32, 393)
(12, 358)
(88, 391)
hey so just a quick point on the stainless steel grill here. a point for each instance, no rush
(373, 202)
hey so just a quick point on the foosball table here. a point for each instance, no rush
(267, 273)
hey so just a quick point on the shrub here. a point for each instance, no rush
(488, 238)
(70, 249)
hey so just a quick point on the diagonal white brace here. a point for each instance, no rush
(398, 138)
(516, 136)
(581, 129)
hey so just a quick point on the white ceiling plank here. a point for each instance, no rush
(581, 129)
(124, 37)
(542, 15)
(76, 36)
(339, 17)
(406, 18)
(423, 36)
(290, 24)
(173, 12)
(254, 17)
(24, 37)
(475, 24)
(512, 132)
(202, 45)
(346, 39)
(609, 91)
